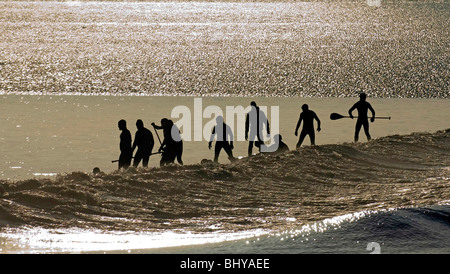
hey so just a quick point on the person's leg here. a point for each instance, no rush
(180, 152)
(301, 138)
(145, 159)
(250, 148)
(259, 140)
(121, 161)
(164, 158)
(357, 129)
(312, 137)
(366, 130)
(137, 158)
(217, 149)
(228, 150)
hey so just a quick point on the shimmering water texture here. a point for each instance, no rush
(265, 193)
(315, 49)
(265, 203)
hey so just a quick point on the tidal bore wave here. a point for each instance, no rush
(264, 192)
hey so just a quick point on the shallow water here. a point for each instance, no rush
(262, 195)
(310, 49)
(47, 135)
(66, 73)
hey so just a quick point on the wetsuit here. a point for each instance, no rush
(223, 131)
(362, 107)
(254, 123)
(144, 141)
(307, 116)
(126, 152)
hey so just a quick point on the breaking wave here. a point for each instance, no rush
(264, 192)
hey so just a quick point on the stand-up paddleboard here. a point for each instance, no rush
(115, 161)
(244, 157)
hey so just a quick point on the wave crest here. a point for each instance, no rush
(261, 192)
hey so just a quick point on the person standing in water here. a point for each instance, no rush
(144, 141)
(176, 137)
(307, 117)
(126, 152)
(224, 134)
(254, 123)
(362, 106)
(172, 145)
(279, 146)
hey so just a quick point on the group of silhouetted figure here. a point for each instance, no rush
(171, 148)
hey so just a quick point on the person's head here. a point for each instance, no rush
(305, 107)
(139, 124)
(219, 120)
(96, 170)
(164, 122)
(122, 124)
(253, 104)
(362, 96)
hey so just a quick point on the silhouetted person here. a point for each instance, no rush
(254, 123)
(307, 117)
(362, 106)
(144, 141)
(172, 145)
(279, 146)
(224, 139)
(176, 136)
(282, 147)
(126, 152)
(96, 171)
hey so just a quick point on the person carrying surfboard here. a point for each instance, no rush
(307, 117)
(362, 106)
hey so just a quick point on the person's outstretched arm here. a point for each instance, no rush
(136, 138)
(230, 134)
(318, 122)
(156, 126)
(350, 111)
(213, 133)
(373, 113)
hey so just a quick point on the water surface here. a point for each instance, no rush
(310, 49)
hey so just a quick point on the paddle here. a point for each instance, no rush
(336, 116)
(154, 127)
(114, 161)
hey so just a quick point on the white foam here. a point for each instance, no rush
(39, 240)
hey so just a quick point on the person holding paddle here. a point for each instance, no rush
(362, 106)
(307, 116)
(172, 145)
